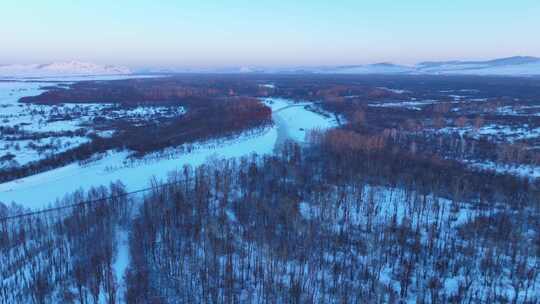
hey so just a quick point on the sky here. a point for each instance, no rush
(222, 33)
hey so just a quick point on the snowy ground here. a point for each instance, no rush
(519, 110)
(121, 262)
(497, 133)
(411, 105)
(20, 121)
(397, 91)
(528, 171)
(26, 151)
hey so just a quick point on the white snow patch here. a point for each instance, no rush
(121, 261)
(529, 171)
(411, 105)
(397, 91)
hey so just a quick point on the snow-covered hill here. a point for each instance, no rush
(378, 68)
(60, 69)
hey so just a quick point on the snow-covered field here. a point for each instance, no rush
(41, 190)
(26, 151)
(31, 132)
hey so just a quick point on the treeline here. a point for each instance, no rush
(208, 119)
(161, 90)
(308, 86)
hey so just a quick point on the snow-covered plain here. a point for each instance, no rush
(21, 121)
(27, 151)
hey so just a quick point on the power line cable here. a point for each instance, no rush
(88, 202)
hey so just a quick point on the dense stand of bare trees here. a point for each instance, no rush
(64, 256)
(287, 229)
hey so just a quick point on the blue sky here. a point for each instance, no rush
(216, 33)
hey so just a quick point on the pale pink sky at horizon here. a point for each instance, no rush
(212, 33)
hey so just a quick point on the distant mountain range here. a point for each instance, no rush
(511, 66)
(60, 69)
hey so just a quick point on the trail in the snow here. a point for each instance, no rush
(282, 130)
(121, 262)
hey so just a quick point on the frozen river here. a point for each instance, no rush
(291, 121)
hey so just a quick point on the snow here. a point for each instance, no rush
(25, 153)
(497, 132)
(299, 118)
(519, 110)
(55, 69)
(121, 261)
(514, 66)
(522, 170)
(397, 91)
(511, 70)
(309, 211)
(411, 105)
(379, 68)
(48, 122)
(457, 97)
